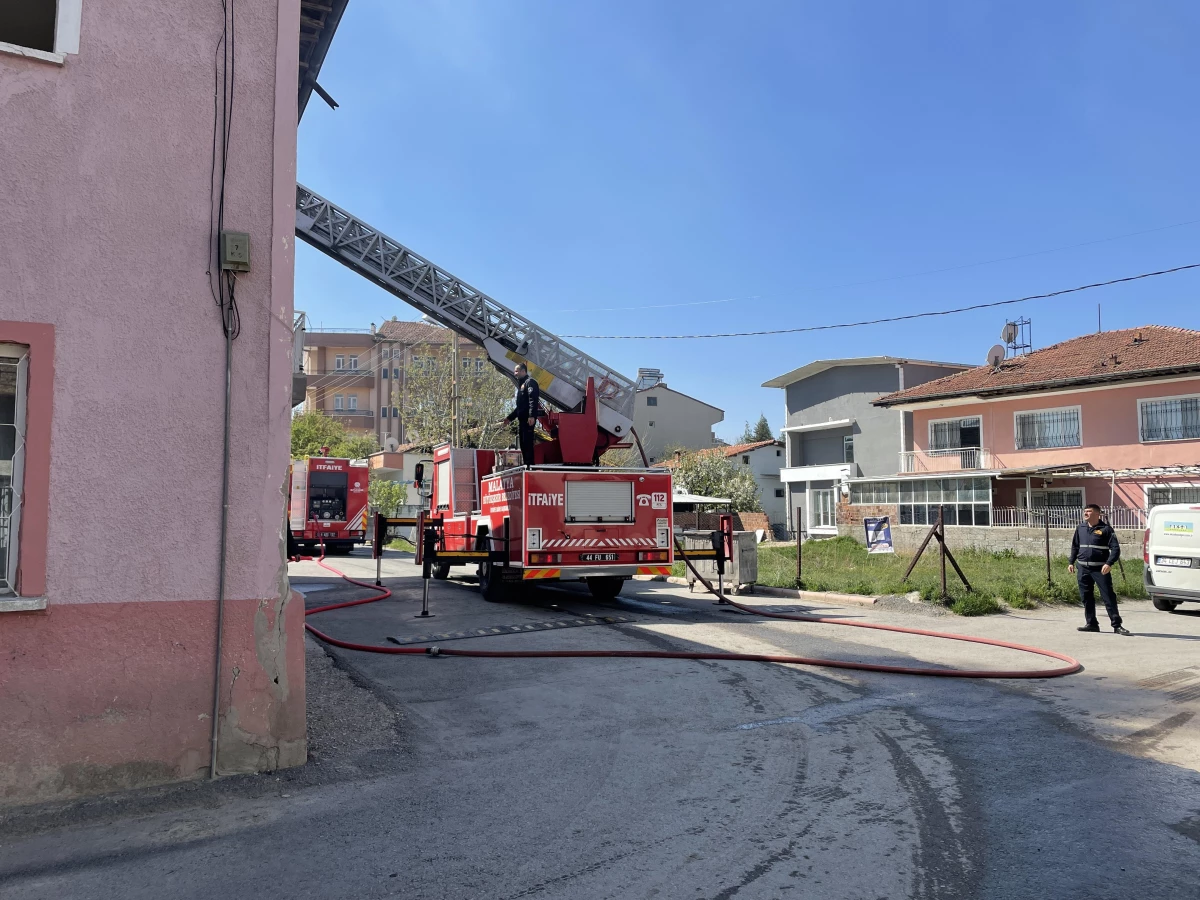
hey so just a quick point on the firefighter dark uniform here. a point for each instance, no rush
(1092, 547)
(528, 404)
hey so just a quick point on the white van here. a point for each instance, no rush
(1171, 552)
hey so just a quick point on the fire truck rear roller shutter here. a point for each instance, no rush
(599, 501)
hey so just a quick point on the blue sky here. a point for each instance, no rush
(586, 161)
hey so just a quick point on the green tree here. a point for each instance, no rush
(425, 401)
(762, 430)
(712, 475)
(387, 496)
(313, 430)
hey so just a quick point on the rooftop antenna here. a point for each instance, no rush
(1017, 335)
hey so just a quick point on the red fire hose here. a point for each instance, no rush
(1072, 665)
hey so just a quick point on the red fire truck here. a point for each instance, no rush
(564, 517)
(556, 521)
(328, 504)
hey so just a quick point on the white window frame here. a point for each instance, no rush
(1050, 409)
(383, 412)
(1173, 485)
(339, 362)
(68, 15)
(1023, 500)
(339, 403)
(352, 363)
(8, 587)
(352, 403)
(848, 441)
(1141, 400)
(813, 495)
(929, 448)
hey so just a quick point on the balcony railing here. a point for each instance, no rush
(362, 413)
(1065, 516)
(958, 459)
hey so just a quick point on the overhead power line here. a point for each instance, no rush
(904, 318)
(849, 284)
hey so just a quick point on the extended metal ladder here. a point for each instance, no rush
(560, 369)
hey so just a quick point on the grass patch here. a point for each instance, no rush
(844, 566)
(401, 544)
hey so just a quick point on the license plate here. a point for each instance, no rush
(1176, 561)
(329, 534)
(598, 557)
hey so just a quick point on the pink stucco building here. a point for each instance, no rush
(112, 397)
(1111, 418)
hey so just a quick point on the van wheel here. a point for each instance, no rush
(441, 571)
(491, 585)
(1164, 604)
(605, 587)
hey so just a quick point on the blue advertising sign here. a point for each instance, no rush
(879, 534)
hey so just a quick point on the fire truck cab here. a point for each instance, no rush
(328, 504)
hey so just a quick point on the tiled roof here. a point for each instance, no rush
(1107, 356)
(418, 333)
(732, 450)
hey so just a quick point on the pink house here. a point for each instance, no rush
(1111, 418)
(114, 420)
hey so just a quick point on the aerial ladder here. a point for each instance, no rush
(563, 518)
(585, 427)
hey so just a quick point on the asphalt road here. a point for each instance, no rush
(582, 778)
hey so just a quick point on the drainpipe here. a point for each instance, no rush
(221, 571)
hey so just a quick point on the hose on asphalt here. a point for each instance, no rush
(1072, 665)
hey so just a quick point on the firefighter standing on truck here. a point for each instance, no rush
(528, 402)
(1094, 551)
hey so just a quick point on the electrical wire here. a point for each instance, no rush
(904, 318)
(834, 287)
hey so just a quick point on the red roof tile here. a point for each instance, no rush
(732, 450)
(417, 333)
(1108, 356)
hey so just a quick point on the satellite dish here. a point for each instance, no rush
(390, 445)
(995, 356)
(1008, 333)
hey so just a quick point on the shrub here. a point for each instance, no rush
(975, 605)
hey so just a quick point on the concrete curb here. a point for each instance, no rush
(826, 598)
(823, 597)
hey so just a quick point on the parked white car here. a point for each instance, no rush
(1171, 552)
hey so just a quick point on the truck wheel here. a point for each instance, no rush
(1164, 604)
(441, 571)
(605, 587)
(492, 587)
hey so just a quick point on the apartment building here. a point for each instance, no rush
(109, 641)
(1111, 418)
(361, 377)
(833, 433)
(666, 419)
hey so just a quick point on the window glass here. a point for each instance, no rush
(14, 367)
(1177, 419)
(1047, 428)
(28, 23)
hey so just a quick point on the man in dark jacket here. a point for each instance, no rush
(1094, 550)
(528, 405)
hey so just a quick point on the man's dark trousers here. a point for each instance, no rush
(525, 433)
(1087, 577)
